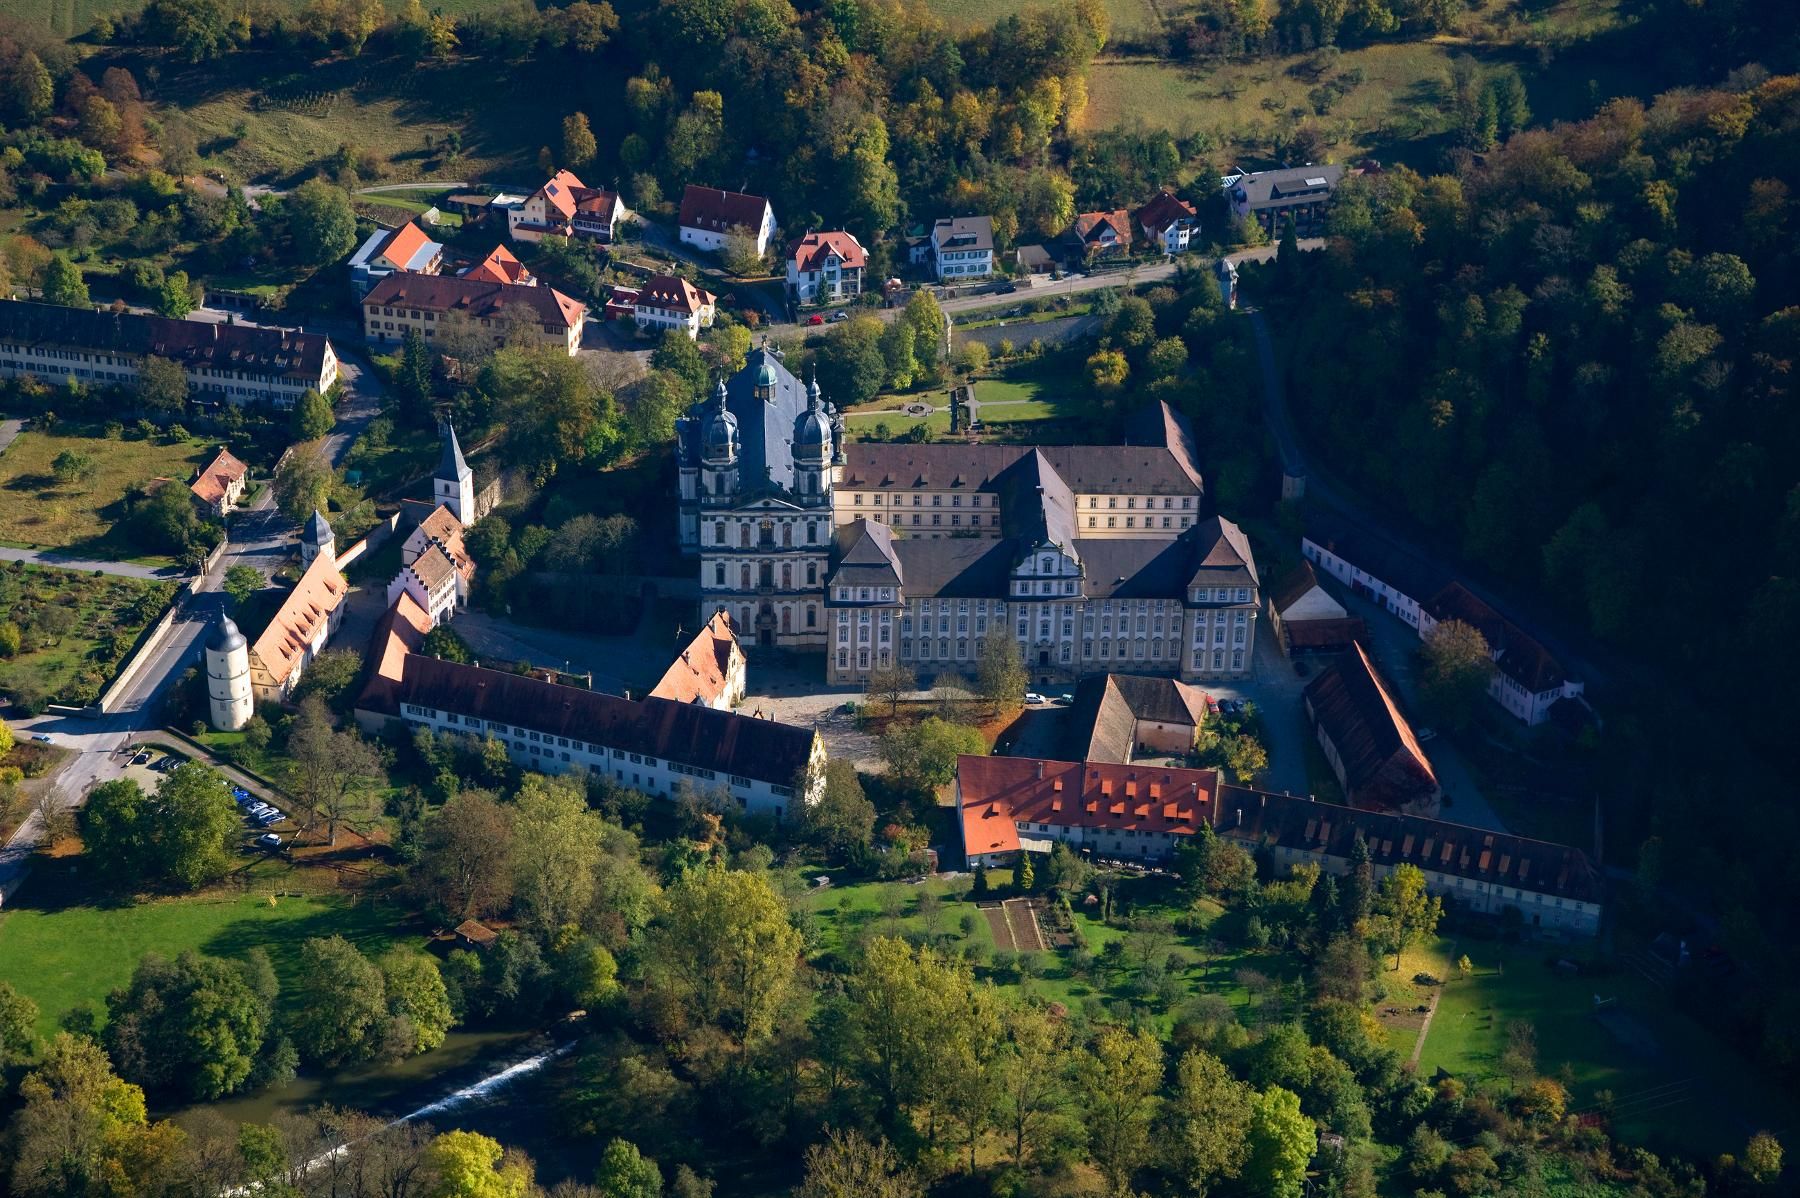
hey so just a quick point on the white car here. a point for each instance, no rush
(42, 738)
(1034, 698)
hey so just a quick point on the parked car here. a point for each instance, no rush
(268, 840)
(838, 316)
(1005, 289)
(815, 319)
(1065, 700)
(1034, 698)
(268, 817)
(42, 738)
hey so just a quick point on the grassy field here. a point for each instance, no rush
(39, 512)
(109, 614)
(61, 956)
(71, 18)
(1016, 400)
(1669, 1076)
(1130, 18)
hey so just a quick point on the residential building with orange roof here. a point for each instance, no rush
(403, 303)
(824, 268)
(1101, 234)
(668, 302)
(710, 670)
(299, 632)
(220, 484)
(1169, 222)
(387, 251)
(565, 207)
(500, 266)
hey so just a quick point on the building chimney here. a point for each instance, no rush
(1040, 771)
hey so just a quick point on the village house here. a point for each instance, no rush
(1117, 717)
(1109, 811)
(825, 268)
(1371, 748)
(387, 251)
(565, 207)
(666, 302)
(962, 248)
(436, 570)
(500, 266)
(220, 484)
(656, 745)
(1306, 618)
(1100, 235)
(1169, 223)
(1527, 680)
(710, 670)
(709, 216)
(1301, 194)
(429, 303)
(300, 630)
(236, 364)
(1369, 565)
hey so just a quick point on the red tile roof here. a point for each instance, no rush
(499, 267)
(559, 193)
(307, 609)
(674, 295)
(1088, 224)
(219, 474)
(478, 297)
(998, 793)
(809, 252)
(1383, 763)
(718, 211)
(1162, 211)
(701, 672)
(1517, 654)
(406, 241)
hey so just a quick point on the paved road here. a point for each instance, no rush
(9, 432)
(61, 560)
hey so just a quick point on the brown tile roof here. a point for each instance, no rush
(401, 630)
(1107, 708)
(700, 672)
(1158, 424)
(433, 568)
(1394, 839)
(303, 613)
(685, 732)
(480, 299)
(810, 251)
(219, 474)
(718, 211)
(999, 793)
(1294, 584)
(1517, 654)
(951, 466)
(1383, 763)
(1163, 210)
(195, 344)
(673, 294)
(1323, 634)
(499, 267)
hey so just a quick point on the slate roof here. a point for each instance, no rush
(683, 732)
(718, 211)
(1517, 654)
(451, 463)
(964, 233)
(956, 567)
(1395, 839)
(1085, 469)
(1107, 708)
(194, 344)
(1036, 505)
(1293, 585)
(1287, 187)
(1158, 424)
(480, 298)
(1225, 558)
(765, 427)
(1415, 577)
(1382, 760)
(866, 556)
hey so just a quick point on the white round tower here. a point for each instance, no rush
(228, 693)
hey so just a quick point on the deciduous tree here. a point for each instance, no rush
(1120, 1075)
(342, 1007)
(193, 1026)
(843, 818)
(1458, 665)
(466, 1164)
(847, 1165)
(64, 285)
(723, 951)
(465, 863)
(320, 221)
(1279, 1147)
(1208, 1122)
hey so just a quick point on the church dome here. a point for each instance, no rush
(812, 433)
(721, 431)
(765, 375)
(225, 637)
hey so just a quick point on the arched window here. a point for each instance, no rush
(787, 536)
(812, 533)
(743, 536)
(787, 575)
(718, 532)
(787, 619)
(744, 575)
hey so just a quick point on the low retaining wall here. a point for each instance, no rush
(148, 643)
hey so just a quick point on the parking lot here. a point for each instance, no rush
(148, 765)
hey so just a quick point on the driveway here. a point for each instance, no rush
(62, 561)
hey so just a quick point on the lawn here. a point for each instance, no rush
(1669, 1076)
(62, 956)
(39, 512)
(1018, 399)
(71, 656)
(1130, 18)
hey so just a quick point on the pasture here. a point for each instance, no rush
(39, 511)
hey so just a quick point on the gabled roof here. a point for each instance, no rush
(867, 557)
(1415, 577)
(433, 568)
(1163, 210)
(1294, 585)
(499, 267)
(217, 477)
(689, 733)
(963, 233)
(1159, 424)
(302, 614)
(559, 193)
(810, 252)
(1088, 225)
(1383, 763)
(961, 466)
(400, 631)
(999, 793)
(1225, 557)
(701, 672)
(407, 248)
(1517, 654)
(479, 298)
(1107, 709)
(673, 294)
(193, 344)
(721, 211)
(600, 200)
(1393, 839)
(1036, 505)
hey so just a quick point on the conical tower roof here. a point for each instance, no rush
(317, 530)
(451, 465)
